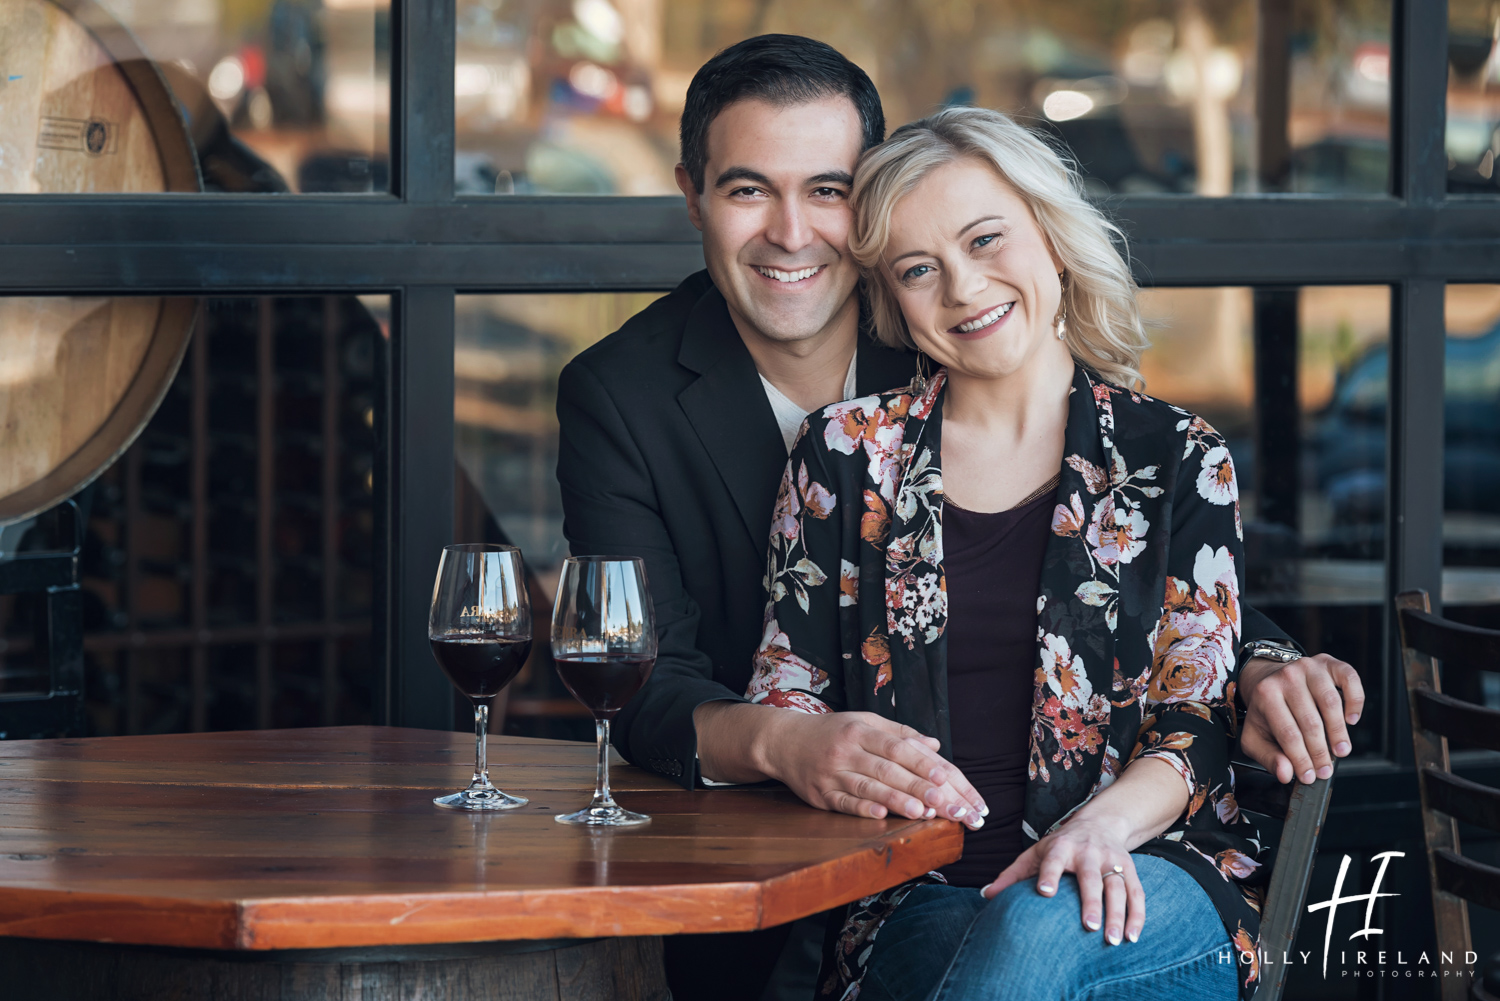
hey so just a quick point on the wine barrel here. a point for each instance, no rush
(611, 969)
(82, 110)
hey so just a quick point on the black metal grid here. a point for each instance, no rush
(423, 246)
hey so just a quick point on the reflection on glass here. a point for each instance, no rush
(1471, 464)
(1296, 380)
(509, 352)
(277, 95)
(1472, 137)
(227, 562)
(1173, 96)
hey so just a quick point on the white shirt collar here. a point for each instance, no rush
(789, 416)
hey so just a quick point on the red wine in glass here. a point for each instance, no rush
(480, 666)
(604, 682)
(480, 631)
(604, 646)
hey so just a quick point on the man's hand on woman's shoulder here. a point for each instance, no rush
(1296, 714)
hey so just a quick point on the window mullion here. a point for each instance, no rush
(422, 45)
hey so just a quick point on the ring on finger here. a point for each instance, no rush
(1118, 870)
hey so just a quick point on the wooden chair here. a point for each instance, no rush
(1446, 798)
(1301, 810)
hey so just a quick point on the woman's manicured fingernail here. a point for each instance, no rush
(1044, 887)
(1353, 718)
(1325, 771)
(1113, 935)
(976, 823)
(1308, 776)
(984, 811)
(1092, 924)
(1341, 748)
(1134, 936)
(958, 812)
(929, 814)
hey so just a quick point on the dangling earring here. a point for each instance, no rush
(919, 383)
(1061, 322)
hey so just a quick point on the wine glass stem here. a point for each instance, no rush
(481, 727)
(602, 795)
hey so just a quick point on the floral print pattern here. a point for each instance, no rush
(1138, 618)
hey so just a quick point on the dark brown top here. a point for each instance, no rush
(993, 564)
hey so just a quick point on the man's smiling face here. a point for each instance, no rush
(775, 213)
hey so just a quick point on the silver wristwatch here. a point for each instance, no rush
(1282, 653)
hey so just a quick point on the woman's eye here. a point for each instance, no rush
(985, 241)
(915, 272)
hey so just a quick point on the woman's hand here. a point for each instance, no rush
(1144, 801)
(849, 762)
(866, 765)
(1095, 853)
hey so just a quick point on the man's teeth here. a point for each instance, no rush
(985, 320)
(789, 276)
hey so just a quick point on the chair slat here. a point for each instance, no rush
(1473, 881)
(1459, 647)
(1464, 800)
(1432, 714)
(1457, 719)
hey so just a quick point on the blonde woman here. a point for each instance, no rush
(1030, 561)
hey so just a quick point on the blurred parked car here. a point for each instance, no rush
(1348, 438)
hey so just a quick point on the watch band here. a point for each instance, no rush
(1271, 650)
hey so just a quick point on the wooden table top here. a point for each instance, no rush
(318, 838)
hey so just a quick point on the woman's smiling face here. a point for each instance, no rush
(973, 273)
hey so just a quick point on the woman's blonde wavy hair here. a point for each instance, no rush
(1103, 329)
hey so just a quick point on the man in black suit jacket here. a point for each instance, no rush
(674, 436)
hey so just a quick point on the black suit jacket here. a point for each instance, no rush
(669, 451)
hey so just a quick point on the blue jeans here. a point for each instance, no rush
(947, 943)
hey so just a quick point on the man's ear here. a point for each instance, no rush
(690, 192)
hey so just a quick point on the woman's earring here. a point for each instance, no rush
(1062, 310)
(919, 384)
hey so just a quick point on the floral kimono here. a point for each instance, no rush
(1138, 619)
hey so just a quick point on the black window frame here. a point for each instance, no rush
(422, 245)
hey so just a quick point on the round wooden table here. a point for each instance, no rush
(311, 864)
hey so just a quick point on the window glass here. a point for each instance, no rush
(1472, 136)
(1312, 475)
(1153, 96)
(508, 353)
(131, 95)
(1471, 464)
(227, 557)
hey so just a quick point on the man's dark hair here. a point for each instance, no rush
(782, 70)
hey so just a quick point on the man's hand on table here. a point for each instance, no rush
(1295, 714)
(853, 762)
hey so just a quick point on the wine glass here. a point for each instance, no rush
(604, 645)
(480, 631)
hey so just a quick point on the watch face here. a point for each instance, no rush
(1274, 651)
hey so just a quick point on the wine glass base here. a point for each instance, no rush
(603, 816)
(481, 799)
